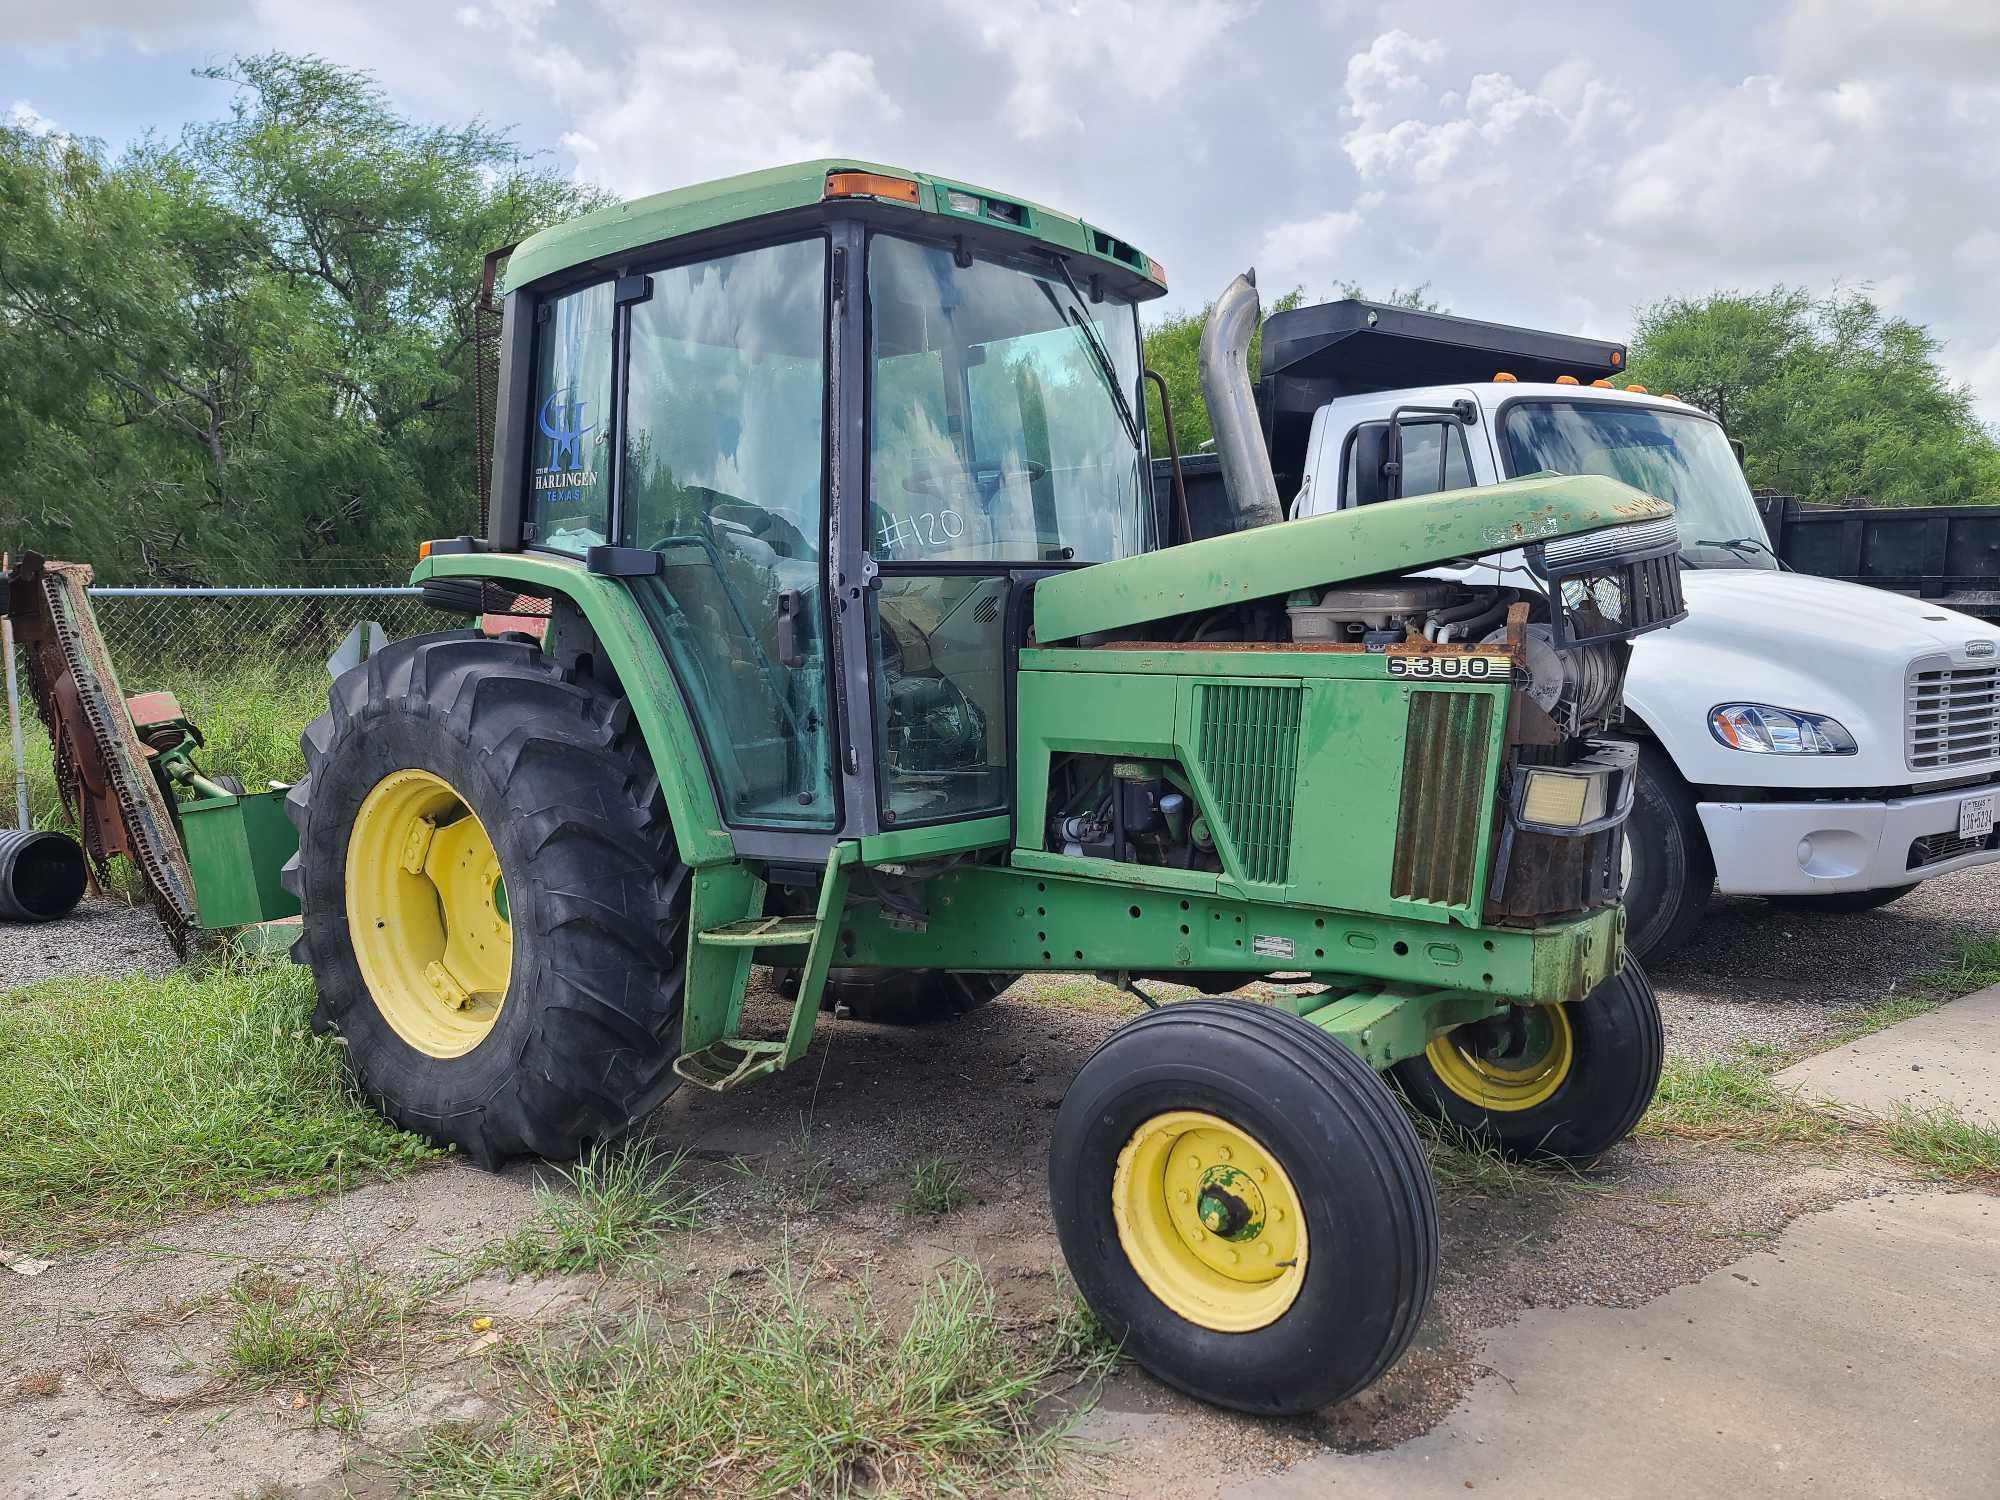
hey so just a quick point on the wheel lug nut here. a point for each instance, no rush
(1224, 1153)
(1182, 1195)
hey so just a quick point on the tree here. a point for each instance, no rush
(1830, 396)
(248, 355)
(1173, 347)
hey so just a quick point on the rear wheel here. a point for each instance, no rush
(492, 903)
(1555, 1082)
(1669, 874)
(1845, 901)
(1244, 1206)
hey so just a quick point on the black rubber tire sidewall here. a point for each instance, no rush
(908, 997)
(1335, 1128)
(583, 1044)
(1620, 1046)
(1673, 874)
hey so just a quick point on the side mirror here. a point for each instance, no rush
(1372, 481)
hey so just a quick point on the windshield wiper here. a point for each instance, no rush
(1084, 326)
(1742, 544)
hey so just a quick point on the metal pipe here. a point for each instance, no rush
(1173, 452)
(14, 717)
(1232, 406)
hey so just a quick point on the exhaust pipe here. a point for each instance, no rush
(1232, 406)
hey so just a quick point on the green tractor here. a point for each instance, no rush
(867, 653)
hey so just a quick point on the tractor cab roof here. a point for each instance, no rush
(610, 236)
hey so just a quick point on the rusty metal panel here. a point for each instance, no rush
(1446, 805)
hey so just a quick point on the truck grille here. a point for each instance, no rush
(1936, 848)
(1952, 714)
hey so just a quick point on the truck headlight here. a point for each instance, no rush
(1763, 730)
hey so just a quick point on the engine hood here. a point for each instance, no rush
(1795, 641)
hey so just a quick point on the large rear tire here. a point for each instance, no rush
(1244, 1206)
(493, 907)
(1550, 1082)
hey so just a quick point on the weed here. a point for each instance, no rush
(40, 1385)
(130, 1100)
(616, 1205)
(1080, 1338)
(937, 1186)
(1735, 1100)
(1467, 1165)
(798, 1185)
(1943, 1143)
(316, 1338)
(768, 1397)
(1974, 964)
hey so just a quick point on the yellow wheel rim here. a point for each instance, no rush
(427, 913)
(1210, 1221)
(1510, 1065)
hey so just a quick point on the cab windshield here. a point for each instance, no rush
(998, 434)
(1679, 457)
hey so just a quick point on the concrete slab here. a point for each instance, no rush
(1949, 1056)
(1856, 1356)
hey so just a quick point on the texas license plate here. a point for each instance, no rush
(1975, 817)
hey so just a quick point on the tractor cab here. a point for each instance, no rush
(822, 443)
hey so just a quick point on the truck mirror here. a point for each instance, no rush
(1372, 482)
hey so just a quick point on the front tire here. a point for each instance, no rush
(493, 907)
(1669, 873)
(1244, 1206)
(906, 997)
(1558, 1083)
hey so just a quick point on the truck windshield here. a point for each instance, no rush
(1679, 457)
(996, 432)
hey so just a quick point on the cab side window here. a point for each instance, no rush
(1434, 459)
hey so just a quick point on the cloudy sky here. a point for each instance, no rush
(1553, 167)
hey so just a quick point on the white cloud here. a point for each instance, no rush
(24, 116)
(1068, 55)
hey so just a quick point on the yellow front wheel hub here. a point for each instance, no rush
(1513, 1063)
(1209, 1220)
(427, 913)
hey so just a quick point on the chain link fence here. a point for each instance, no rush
(156, 635)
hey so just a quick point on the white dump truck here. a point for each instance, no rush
(1819, 743)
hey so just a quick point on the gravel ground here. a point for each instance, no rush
(100, 937)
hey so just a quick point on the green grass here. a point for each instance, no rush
(1943, 1144)
(129, 1101)
(936, 1187)
(769, 1396)
(319, 1340)
(1735, 1100)
(1465, 1166)
(1974, 964)
(616, 1206)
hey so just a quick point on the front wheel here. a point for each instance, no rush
(1244, 1206)
(1669, 874)
(493, 907)
(1549, 1082)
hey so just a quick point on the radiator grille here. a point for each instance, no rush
(1445, 805)
(1952, 714)
(1249, 753)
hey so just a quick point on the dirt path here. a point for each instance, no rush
(99, 1354)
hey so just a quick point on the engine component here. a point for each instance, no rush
(1579, 687)
(1348, 613)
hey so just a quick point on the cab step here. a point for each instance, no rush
(762, 932)
(730, 1063)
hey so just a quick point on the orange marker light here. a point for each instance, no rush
(1602, 385)
(1668, 396)
(423, 550)
(1566, 380)
(1159, 271)
(1501, 377)
(1617, 358)
(1638, 390)
(870, 185)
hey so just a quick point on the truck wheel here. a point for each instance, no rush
(1845, 901)
(1548, 1082)
(907, 997)
(1243, 1206)
(1669, 874)
(493, 907)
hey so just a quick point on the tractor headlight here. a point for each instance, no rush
(1763, 730)
(1561, 799)
(1591, 793)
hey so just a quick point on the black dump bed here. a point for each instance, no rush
(1949, 554)
(1312, 355)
